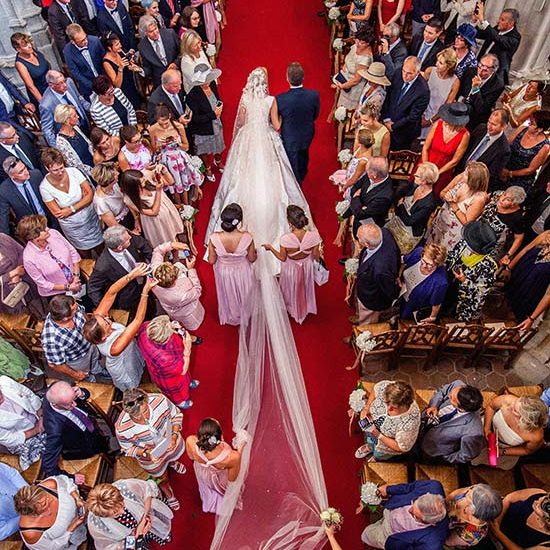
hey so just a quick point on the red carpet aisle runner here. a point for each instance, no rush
(272, 34)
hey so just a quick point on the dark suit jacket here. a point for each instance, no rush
(106, 23)
(107, 270)
(417, 218)
(481, 103)
(167, 13)
(377, 277)
(495, 157)
(406, 114)
(298, 108)
(394, 60)
(429, 538)
(11, 199)
(159, 96)
(431, 57)
(203, 115)
(151, 63)
(16, 95)
(505, 46)
(28, 148)
(78, 66)
(58, 21)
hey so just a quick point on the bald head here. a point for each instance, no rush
(171, 81)
(62, 395)
(377, 169)
(369, 235)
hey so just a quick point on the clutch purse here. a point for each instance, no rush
(339, 77)
(15, 296)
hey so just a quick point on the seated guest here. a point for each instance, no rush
(109, 506)
(519, 424)
(424, 283)
(13, 102)
(190, 20)
(123, 251)
(488, 144)
(473, 268)
(427, 44)
(454, 430)
(523, 101)
(151, 8)
(480, 88)
(171, 95)
(192, 54)
(465, 46)
(471, 511)
(66, 351)
(374, 91)
(405, 104)
(446, 142)
(415, 516)
(21, 429)
(71, 426)
(75, 147)
(50, 516)
(83, 55)
(61, 90)
(392, 50)
(10, 482)
(114, 17)
(19, 145)
(179, 288)
(390, 420)
(106, 147)
(110, 109)
(368, 117)
(49, 259)
(379, 263)
(524, 521)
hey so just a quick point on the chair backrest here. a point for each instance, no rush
(425, 336)
(466, 336)
(86, 268)
(402, 163)
(509, 338)
(389, 341)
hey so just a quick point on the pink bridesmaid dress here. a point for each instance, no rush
(212, 481)
(234, 278)
(296, 279)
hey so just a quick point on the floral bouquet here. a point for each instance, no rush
(188, 212)
(357, 400)
(350, 267)
(370, 497)
(365, 341)
(331, 517)
(334, 14)
(197, 163)
(344, 156)
(330, 3)
(340, 114)
(218, 16)
(338, 44)
(340, 209)
(210, 50)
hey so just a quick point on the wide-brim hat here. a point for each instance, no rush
(204, 74)
(468, 32)
(454, 113)
(376, 73)
(480, 236)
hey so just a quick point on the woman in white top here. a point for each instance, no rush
(192, 55)
(522, 102)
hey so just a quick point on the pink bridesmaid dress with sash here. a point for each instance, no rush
(212, 481)
(296, 279)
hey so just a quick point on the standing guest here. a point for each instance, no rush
(171, 95)
(110, 109)
(61, 90)
(299, 249)
(464, 200)
(465, 45)
(171, 11)
(13, 102)
(106, 147)
(389, 11)
(17, 144)
(426, 44)
(392, 51)
(83, 55)
(447, 142)
(135, 153)
(179, 288)
(523, 102)
(460, 12)
(192, 54)
(114, 18)
(231, 252)
(152, 9)
(298, 108)
(408, 98)
(374, 92)
(529, 149)
(31, 65)
(359, 15)
(61, 14)
(68, 196)
(146, 422)
(379, 263)
(454, 429)
(191, 20)
(443, 85)
(128, 508)
(368, 117)
(212, 27)
(75, 147)
(51, 514)
(49, 259)
(10, 482)
(422, 13)
(215, 462)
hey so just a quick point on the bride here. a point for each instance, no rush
(258, 175)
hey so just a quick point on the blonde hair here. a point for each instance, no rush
(103, 500)
(477, 176)
(63, 112)
(27, 500)
(533, 413)
(399, 393)
(104, 173)
(166, 274)
(187, 40)
(428, 171)
(436, 252)
(371, 109)
(450, 58)
(160, 329)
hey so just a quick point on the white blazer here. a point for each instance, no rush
(12, 425)
(463, 8)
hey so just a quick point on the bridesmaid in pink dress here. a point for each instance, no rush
(298, 250)
(215, 463)
(232, 253)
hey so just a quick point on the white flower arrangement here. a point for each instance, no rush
(330, 3)
(340, 114)
(341, 208)
(357, 400)
(338, 44)
(331, 517)
(218, 16)
(365, 342)
(197, 162)
(210, 50)
(334, 13)
(351, 266)
(369, 495)
(344, 156)
(188, 212)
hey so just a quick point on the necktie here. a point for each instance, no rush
(158, 50)
(29, 197)
(448, 416)
(423, 49)
(404, 90)
(84, 418)
(21, 154)
(480, 149)
(88, 58)
(171, 4)
(70, 13)
(176, 101)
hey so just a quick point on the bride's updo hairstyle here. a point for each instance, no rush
(209, 435)
(231, 216)
(256, 83)
(296, 216)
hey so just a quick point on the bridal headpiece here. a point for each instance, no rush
(256, 84)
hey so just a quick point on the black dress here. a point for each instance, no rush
(37, 73)
(81, 148)
(128, 85)
(514, 524)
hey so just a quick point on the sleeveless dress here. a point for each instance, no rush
(350, 98)
(128, 85)
(519, 105)
(179, 164)
(296, 280)
(212, 481)
(440, 89)
(138, 160)
(234, 279)
(37, 73)
(341, 176)
(520, 158)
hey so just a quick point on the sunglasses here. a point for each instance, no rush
(137, 401)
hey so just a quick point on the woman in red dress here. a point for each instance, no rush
(447, 142)
(390, 11)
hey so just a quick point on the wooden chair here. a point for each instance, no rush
(466, 340)
(422, 398)
(383, 473)
(101, 397)
(488, 396)
(31, 122)
(387, 343)
(447, 475)
(119, 316)
(86, 268)
(30, 475)
(127, 467)
(402, 164)
(536, 476)
(95, 469)
(500, 480)
(14, 321)
(509, 340)
(423, 340)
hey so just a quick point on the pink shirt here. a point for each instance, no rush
(401, 520)
(43, 269)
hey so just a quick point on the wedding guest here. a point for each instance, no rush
(392, 50)
(211, 24)
(135, 153)
(215, 463)
(232, 252)
(147, 421)
(170, 93)
(190, 20)
(128, 508)
(389, 11)
(15, 143)
(523, 102)
(152, 9)
(298, 250)
(465, 45)
(106, 147)
(13, 103)
(63, 12)
(426, 43)
(113, 17)
(374, 92)
(10, 482)
(359, 14)
(192, 54)
(368, 117)
(460, 12)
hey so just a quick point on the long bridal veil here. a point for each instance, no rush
(275, 502)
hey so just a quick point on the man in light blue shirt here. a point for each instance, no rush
(10, 482)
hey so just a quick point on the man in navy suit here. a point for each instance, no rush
(61, 14)
(298, 109)
(84, 57)
(427, 45)
(11, 101)
(114, 17)
(19, 145)
(405, 104)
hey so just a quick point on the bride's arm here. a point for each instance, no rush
(275, 118)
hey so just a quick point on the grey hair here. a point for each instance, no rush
(514, 14)
(486, 502)
(8, 162)
(370, 233)
(52, 75)
(160, 329)
(379, 165)
(494, 60)
(114, 236)
(169, 76)
(415, 60)
(394, 29)
(516, 193)
(4, 127)
(143, 24)
(432, 507)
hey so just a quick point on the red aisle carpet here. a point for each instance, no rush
(272, 34)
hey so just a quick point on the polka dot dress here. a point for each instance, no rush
(128, 520)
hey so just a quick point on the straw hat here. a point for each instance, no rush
(376, 73)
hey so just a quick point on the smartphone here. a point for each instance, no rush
(219, 103)
(364, 424)
(149, 269)
(130, 543)
(169, 139)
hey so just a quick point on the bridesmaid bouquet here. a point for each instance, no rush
(210, 50)
(334, 14)
(340, 209)
(331, 517)
(365, 342)
(357, 400)
(188, 213)
(340, 115)
(350, 267)
(370, 497)
(330, 3)
(197, 163)
(338, 44)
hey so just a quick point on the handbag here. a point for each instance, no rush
(17, 293)
(320, 272)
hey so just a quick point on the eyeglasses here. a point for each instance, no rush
(427, 264)
(137, 401)
(483, 66)
(12, 165)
